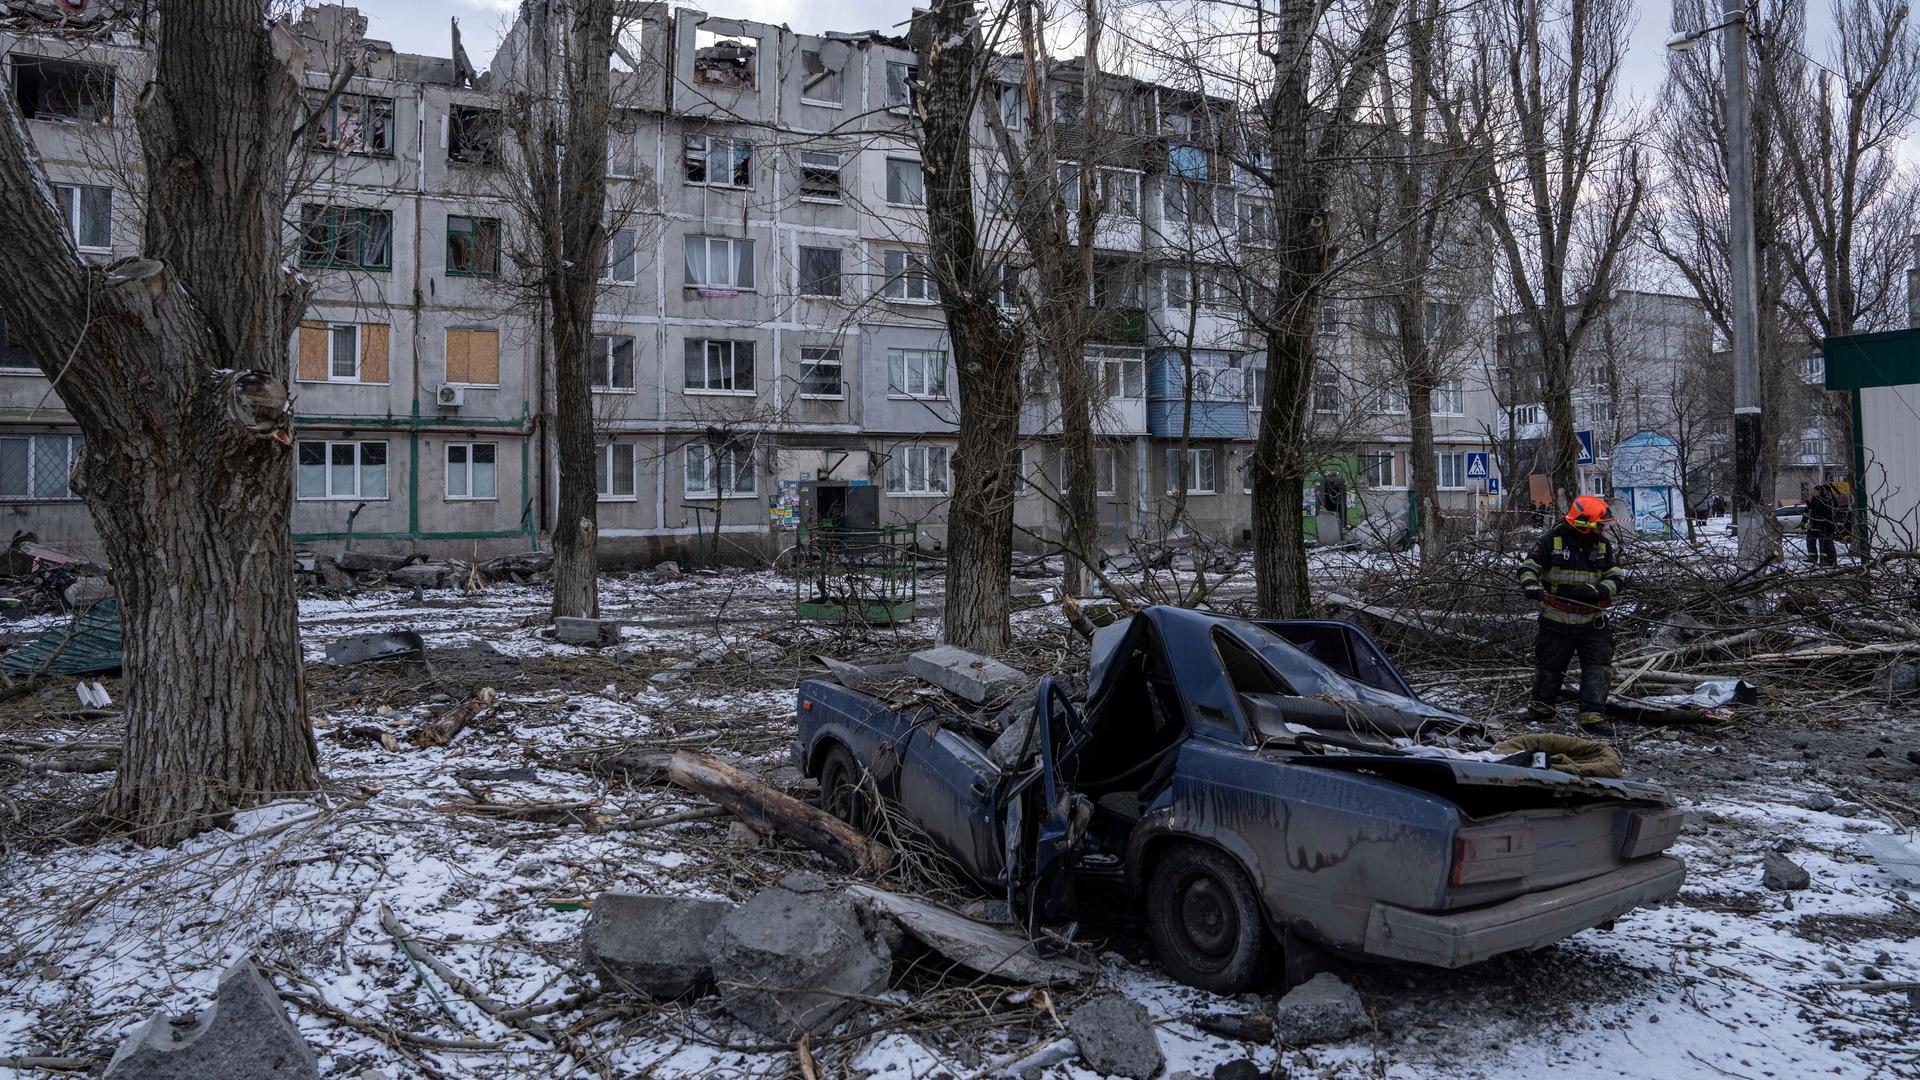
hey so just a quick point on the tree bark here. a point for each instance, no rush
(987, 348)
(175, 371)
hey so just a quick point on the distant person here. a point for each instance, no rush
(1719, 506)
(1572, 574)
(1823, 524)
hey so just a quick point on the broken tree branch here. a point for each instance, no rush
(768, 811)
(441, 730)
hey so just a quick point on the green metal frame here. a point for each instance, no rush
(889, 560)
(413, 425)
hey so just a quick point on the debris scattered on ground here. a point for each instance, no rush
(797, 958)
(569, 630)
(365, 648)
(986, 949)
(1115, 1037)
(1323, 1009)
(966, 675)
(1781, 874)
(244, 1035)
(656, 945)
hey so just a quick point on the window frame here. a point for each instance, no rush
(333, 357)
(446, 457)
(730, 365)
(1368, 463)
(913, 268)
(1453, 391)
(492, 153)
(1108, 368)
(1458, 460)
(823, 355)
(72, 200)
(632, 259)
(602, 346)
(891, 172)
(1194, 471)
(708, 151)
(360, 466)
(95, 75)
(604, 455)
(813, 168)
(325, 138)
(838, 77)
(36, 445)
(1107, 475)
(475, 234)
(733, 246)
(901, 452)
(906, 357)
(910, 73)
(802, 281)
(339, 221)
(719, 458)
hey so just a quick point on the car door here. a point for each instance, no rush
(948, 786)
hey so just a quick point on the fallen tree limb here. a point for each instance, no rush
(441, 730)
(767, 811)
(65, 763)
(49, 1064)
(1424, 622)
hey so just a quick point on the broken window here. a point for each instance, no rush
(820, 175)
(820, 84)
(717, 366)
(719, 161)
(819, 271)
(343, 469)
(1069, 106)
(473, 135)
(1011, 98)
(336, 237)
(63, 91)
(906, 182)
(473, 357)
(613, 362)
(622, 258)
(87, 212)
(727, 472)
(352, 124)
(623, 146)
(473, 246)
(919, 469)
(38, 467)
(902, 84)
(907, 278)
(725, 60)
(472, 470)
(614, 475)
(820, 374)
(719, 262)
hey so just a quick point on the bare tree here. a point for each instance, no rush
(174, 366)
(1562, 182)
(988, 346)
(558, 111)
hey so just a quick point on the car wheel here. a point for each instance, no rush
(1206, 922)
(841, 793)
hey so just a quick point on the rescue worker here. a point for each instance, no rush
(1573, 575)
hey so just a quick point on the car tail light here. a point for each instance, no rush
(1497, 854)
(1649, 831)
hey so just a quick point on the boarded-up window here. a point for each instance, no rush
(373, 352)
(342, 352)
(473, 357)
(312, 366)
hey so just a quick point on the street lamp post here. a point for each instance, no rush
(1748, 506)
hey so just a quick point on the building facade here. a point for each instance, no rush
(765, 317)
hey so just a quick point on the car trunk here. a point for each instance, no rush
(1523, 830)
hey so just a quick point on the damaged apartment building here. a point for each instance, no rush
(764, 318)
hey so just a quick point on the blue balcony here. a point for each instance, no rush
(1219, 396)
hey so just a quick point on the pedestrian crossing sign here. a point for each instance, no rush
(1477, 466)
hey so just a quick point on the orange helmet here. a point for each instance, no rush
(1588, 512)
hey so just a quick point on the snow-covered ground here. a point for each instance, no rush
(1730, 981)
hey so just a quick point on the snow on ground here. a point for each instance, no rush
(1729, 981)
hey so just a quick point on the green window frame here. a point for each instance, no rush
(473, 246)
(345, 237)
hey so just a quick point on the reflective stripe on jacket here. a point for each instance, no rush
(1564, 557)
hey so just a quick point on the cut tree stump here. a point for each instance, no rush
(768, 811)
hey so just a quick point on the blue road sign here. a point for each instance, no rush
(1493, 485)
(1477, 466)
(1586, 446)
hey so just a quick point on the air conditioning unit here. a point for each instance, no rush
(452, 397)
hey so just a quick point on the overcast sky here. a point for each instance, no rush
(420, 26)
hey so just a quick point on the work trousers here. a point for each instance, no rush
(1820, 545)
(1556, 646)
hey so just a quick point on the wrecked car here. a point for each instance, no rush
(1241, 779)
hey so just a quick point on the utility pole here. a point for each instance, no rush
(1749, 509)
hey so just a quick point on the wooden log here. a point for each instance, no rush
(440, 730)
(768, 811)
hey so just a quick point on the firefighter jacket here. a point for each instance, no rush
(1566, 557)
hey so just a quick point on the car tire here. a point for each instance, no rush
(841, 793)
(1206, 921)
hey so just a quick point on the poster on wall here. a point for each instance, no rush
(784, 508)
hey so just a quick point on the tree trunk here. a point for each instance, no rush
(987, 350)
(570, 195)
(175, 371)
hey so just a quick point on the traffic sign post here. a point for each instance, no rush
(1586, 445)
(1477, 466)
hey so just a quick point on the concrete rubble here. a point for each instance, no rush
(966, 675)
(656, 945)
(1116, 1037)
(795, 958)
(1782, 874)
(569, 630)
(244, 1035)
(1322, 1009)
